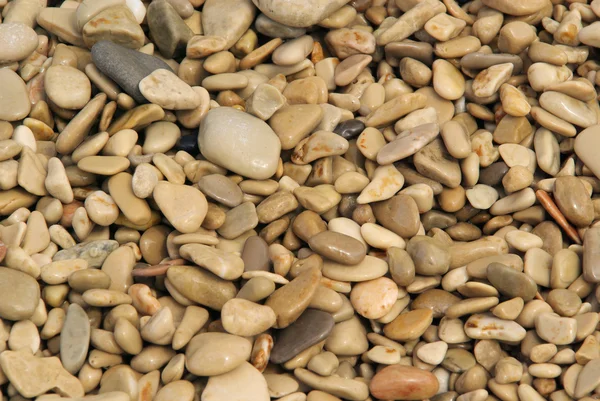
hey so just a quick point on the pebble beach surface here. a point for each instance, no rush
(299, 200)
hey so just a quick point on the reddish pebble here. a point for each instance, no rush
(397, 382)
(68, 212)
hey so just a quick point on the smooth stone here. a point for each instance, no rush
(516, 9)
(291, 300)
(332, 387)
(94, 252)
(588, 378)
(49, 375)
(212, 354)
(184, 206)
(369, 269)
(201, 286)
(62, 22)
(338, 247)
(349, 129)
(245, 383)
(585, 143)
(555, 329)
(298, 13)
(375, 298)
(430, 256)
(489, 327)
(226, 265)
(116, 24)
(435, 299)
(228, 19)
(348, 338)
(409, 326)
(294, 122)
(399, 214)
(434, 162)
(239, 142)
(274, 29)
(569, 109)
(221, 189)
(386, 181)
(14, 98)
(18, 42)
(511, 282)
(573, 200)
(168, 31)
(67, 87)
(20, 293)
(239, 220)
(293, 51)
(74, 339)
(408, 143)
(312, 327)
(399, 382)
(245, 318)
(75, 132)
(125, 66)
(164, 88)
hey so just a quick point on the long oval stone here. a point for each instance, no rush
(568, 108)
(489, 327)
(511, 282)
(211, 354)
(397, 382)
(370, 268)
(201, 286)
(291, 300)
(74, 339)
(94, 252)
(408, 143)
(338, 247)
(312, 326)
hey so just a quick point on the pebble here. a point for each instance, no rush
(227, 19)
(408, 143)
(292, 299)
(297, 13)
(256, 155)
(164, 88)
(213, 354)
(409, 326)
(403, 383)
(312, 327)
(484, 326)
(399, 214)
(116, 24)
(125, 66)
(555, 329)
(511, 282)
(22, 292)
(168, 30)
(74, 339)
(14, 100)
(201, 286)
(67, 87)
(250, 385)
(185, 207)
(19, 41)
(573, 200)
(375, 298)
(338, 247)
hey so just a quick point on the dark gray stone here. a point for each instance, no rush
(125, 66)
(349, 129)
(167, 29)
(493, 174)
(312, 327)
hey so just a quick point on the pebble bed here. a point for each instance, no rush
(300, 200)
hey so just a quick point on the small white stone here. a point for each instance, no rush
(482, 196)
(24, 136)
(433, 353)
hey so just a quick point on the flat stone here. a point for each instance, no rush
(295, 122)
(245, 383)
(511, 282)
(298, 13)
(14, 100)
(434, 161)
(115, 24)
(212, 354)
(251, 151)
(348, 338)
(18, 42)
(291, 300)
(409, 326)
(555, 329)
(430, 256)
(168, 31)
(224, 264)
(245, 318)
(94, 252)
(32, 376)
(274, 29)
(62, 22)
(239, 220)
(568, 108)
(489, 327)
(338, 247)
(228, 19)
(184, 206)
(312, 327)
(399, 382)
(408, 143)
(164, 88)
(399, 214)
(573, 200)
(19, 294)
(256, 254)
(221, 189)
(588, 378)
(201, 286)
(125, 66)
(74, 339)
(373, 299)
